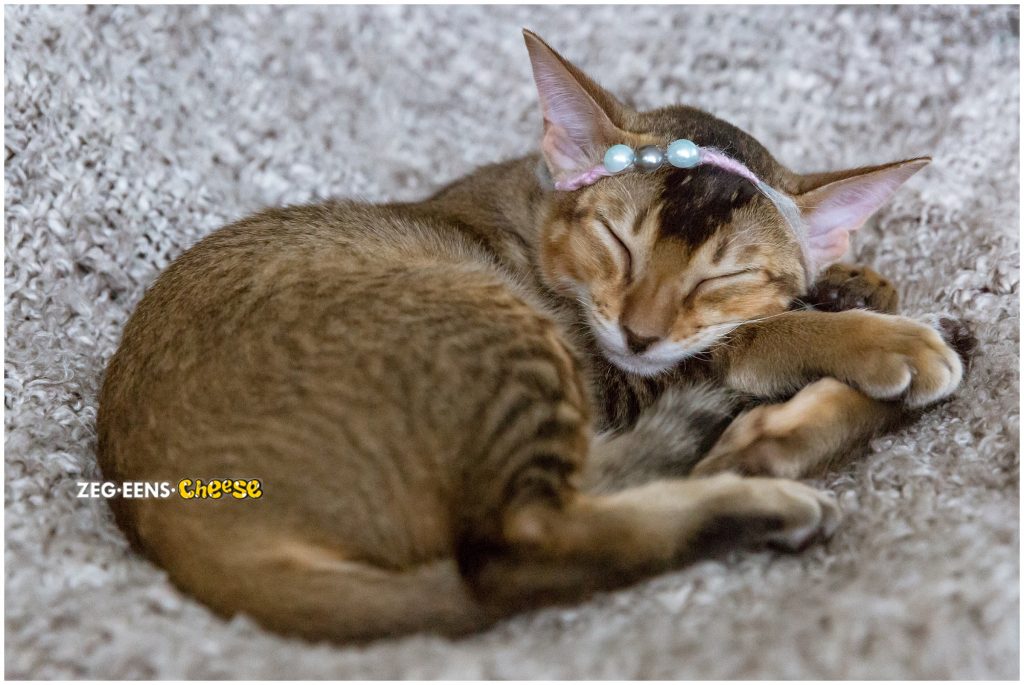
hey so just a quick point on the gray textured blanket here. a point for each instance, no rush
(132, 132)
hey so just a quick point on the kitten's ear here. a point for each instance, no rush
(580, 117)
(836, 204)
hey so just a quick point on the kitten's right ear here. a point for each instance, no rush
(579, 116)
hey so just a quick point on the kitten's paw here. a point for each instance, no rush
(810, 515)
(894, 358)
(787, 440)
(749, 447)
(759, 442)
(777, 512)
(845, 286)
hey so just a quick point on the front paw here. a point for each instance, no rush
(891, 357)
(845, 286)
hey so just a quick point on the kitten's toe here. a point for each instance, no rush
(938, 370)
(808, 515)
(801, 537)
(958, 335)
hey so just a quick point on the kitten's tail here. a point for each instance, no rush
(669, 438)
(356, 602)
(351, 601)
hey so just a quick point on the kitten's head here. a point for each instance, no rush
(667, 263)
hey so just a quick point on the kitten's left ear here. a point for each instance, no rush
(580, 117)
(836, 204)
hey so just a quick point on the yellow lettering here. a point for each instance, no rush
(215, 489)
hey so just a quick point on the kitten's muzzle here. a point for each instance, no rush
(638, 344)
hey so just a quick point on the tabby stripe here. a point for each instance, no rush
(641, 217)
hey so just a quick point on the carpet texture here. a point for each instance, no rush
(130, 133)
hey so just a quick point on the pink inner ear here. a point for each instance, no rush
(573, 121)
(835, 210)
(561, 150)
(828, 248)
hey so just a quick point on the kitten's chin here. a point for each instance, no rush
(638, 366)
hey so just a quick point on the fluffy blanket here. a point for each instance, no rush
(132, 132)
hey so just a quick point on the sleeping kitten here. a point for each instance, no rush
(418, 386)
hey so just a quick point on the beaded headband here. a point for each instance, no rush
(685, 154)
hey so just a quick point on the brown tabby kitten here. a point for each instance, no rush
(418, 385)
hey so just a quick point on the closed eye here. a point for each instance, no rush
(627, 255)
(716, 280)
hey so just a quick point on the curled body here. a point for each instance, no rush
(497, 398)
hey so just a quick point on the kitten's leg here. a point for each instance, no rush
(886, 357)
(821, 426)
(560, 551)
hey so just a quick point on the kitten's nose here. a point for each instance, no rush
(638, 343)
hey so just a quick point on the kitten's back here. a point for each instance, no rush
(357, 361)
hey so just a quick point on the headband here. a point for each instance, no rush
(685, 154)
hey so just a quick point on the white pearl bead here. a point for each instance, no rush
(618, 157)
(683, 153)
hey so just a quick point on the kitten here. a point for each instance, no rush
(418, 386)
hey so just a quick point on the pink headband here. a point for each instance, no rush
(681, 153)
(685, 154)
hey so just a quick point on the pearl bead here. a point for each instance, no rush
(618, 157)
(649, 158)
(683, 153)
